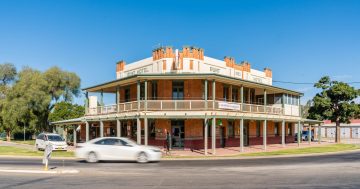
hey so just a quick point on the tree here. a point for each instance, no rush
(29, 100)
(66, 110)
(26, 97)
(305, 109)
(61, 85)
(335, 102)
(7, 75)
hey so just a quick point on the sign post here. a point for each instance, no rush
(47, 155)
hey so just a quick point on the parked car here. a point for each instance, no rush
(305, 135)
(116, 148)
(57, 142)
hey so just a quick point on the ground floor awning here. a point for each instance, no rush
(199, 129)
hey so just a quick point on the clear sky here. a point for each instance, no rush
(299, 40)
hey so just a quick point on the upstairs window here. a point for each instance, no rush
(154, 90)
(226, 93)
(127, 94)
(235, 95)
(178, 90)
(142, 91)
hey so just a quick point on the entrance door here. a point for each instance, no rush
(178, 134)
(246, 135)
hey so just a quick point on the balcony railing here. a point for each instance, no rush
(184, 105)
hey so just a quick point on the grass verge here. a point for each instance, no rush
(16, 151)
(307, 150)
(29, 142)
(292, 151)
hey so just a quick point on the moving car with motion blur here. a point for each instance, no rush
(57, 142)
(116, 148)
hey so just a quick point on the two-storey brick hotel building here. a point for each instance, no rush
(203, 102)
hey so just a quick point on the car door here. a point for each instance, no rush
(104, 148)
(125, 150)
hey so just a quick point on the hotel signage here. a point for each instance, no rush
(229, 106)
(137, 71)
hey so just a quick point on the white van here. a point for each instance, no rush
(55, 140)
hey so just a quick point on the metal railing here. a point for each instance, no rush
(184, 105)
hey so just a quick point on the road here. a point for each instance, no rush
(326, 171)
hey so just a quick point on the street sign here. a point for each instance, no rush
(47, 155)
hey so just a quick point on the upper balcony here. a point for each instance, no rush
(185, 105)
(184, 92)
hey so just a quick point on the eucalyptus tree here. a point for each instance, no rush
(61, 86)
(31, 98)
(7, 76)
(335, 102)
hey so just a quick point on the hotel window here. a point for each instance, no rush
(178, 90)
(235, 95)
(276, 129)
(154, 90)
(225, 93)
(231, 129)
(296, 101)
(290, 129)
(258, 126)
(127, 94)
(142, 91)
(246, 95)
(277, 99)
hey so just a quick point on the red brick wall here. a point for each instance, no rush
(164, 89)
(193, 89)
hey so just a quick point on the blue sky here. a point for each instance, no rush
(299, 40)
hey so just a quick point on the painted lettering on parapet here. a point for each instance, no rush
(215, 70)
(238, 74)
(138, 71)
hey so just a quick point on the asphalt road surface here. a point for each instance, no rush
(325, 171)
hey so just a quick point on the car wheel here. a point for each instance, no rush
(142, 158)
(92, 158)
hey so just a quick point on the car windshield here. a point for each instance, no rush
(54, 138)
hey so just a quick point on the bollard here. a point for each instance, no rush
(47, 155)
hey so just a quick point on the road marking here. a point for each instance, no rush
(72, 171)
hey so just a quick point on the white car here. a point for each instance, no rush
(44, 139)
(116, 148)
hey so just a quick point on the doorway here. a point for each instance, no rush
(178, 134)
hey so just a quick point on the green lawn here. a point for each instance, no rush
(307, 150)
(293, 151)
(16, 151)
(30, 142)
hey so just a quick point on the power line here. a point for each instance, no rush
(309, 83)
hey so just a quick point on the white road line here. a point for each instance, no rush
(72, 171)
